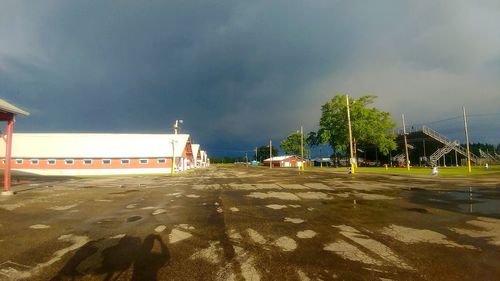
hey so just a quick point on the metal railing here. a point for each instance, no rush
(441, 152)
(430, 132)
(449, 145)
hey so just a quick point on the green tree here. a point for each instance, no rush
(485, 147)
(263, 152)
(291, 145)
(369, 125)
(314, 139)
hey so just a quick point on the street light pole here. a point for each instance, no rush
(320, 158)
(177, 126)
(350, 135)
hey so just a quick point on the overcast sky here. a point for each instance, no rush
(240, 72)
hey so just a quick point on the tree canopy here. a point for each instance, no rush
(485, 147)
(291, 145)
(369, 125)
(263, 152)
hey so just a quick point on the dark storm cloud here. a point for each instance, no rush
(239, 72)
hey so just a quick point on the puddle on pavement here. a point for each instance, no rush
(477, 201)
(133, 218)
(125, 192)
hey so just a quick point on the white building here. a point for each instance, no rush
(101, 154)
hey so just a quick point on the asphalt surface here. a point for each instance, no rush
(248, 223)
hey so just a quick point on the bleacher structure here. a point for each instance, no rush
(426, 139)
(448, 146)
(492, 158)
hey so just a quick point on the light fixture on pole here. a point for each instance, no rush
(177, 126)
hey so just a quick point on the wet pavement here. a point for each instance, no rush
(248, 223)
(475, 201)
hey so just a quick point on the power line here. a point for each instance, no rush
(454, 118)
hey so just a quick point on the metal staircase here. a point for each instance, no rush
(399, 158)
(488, 156)
(448, 146)
(434, 158)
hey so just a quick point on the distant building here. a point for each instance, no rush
(327, 162)
(195, 155)
(286, 161)
(102, 154)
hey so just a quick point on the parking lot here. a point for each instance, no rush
(252, 223)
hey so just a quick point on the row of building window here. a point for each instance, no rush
(88, 161)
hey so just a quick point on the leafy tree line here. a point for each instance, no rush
(263, 152)
(220, 160)
(292, 144)
(370, 126)
(485, 147)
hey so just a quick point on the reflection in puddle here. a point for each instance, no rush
(133, 218)
(484, 202)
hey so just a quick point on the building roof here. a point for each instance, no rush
(280, 158)
(81, 145)
(10, 108)
(322, 159)
(196, 149)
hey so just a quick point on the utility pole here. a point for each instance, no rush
(270, 154)
(320, 159)
(350, 134)
(302, 147)
(406, 144)
(425, 154)
(256, 154)
(467, 141)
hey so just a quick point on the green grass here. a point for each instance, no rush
(443, 171)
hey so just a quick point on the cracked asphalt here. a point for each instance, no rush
(250, 223)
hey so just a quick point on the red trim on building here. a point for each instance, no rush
(97, 163)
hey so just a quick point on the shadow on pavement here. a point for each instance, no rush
(113, 259)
